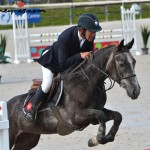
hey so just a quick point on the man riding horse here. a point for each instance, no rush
(73, 46)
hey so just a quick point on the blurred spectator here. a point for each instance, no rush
(20, 4)
(9, 2)
(27, 2)
(1, 2)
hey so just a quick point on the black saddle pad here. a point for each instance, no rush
(46, 104)
(55, 99)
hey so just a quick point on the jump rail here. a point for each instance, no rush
(4, 126)
(52, 37)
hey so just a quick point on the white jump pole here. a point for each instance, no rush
(129, 26)
(103, 34)
(21, 38)
(4, 126)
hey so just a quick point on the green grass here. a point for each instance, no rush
(54, 17)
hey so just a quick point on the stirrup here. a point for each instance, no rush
(31, 117)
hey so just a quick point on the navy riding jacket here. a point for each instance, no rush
(65, 52)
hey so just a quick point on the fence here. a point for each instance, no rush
(48, 38)
(52, 37)
(22, 52)
(4, 126)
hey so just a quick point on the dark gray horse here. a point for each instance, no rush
(82, 102)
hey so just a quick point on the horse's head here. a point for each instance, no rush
(121, 68)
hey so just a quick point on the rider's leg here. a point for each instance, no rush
(41, 93)
(47, 79)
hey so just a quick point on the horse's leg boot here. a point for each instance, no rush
(38, 98)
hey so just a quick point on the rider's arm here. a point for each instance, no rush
(64, 55)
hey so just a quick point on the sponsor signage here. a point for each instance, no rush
(37, 50)
(5, 18)
(99, 45)
(33, 15)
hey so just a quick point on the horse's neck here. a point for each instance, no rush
(91, 67)
(102, 57)
(87, 69)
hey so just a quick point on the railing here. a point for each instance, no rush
(52, 37)
(4, 126)
(72, 5)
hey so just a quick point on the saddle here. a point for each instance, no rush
(37, 82)
(54, 94)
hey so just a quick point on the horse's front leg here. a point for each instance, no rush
(100, 138)
(117, 117)
(86, 116)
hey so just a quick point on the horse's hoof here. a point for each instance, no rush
(93, 142)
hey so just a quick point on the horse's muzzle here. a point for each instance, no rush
(134, 92)
(133, 89)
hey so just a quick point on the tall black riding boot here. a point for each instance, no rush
(37, 98)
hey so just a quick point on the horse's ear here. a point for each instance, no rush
(130, 44)
(120, 45)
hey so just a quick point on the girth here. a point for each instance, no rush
(63, 127)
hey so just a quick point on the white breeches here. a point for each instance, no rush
(47, 78)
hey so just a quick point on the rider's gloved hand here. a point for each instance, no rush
(85, 55)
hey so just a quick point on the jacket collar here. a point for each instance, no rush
(76, 38)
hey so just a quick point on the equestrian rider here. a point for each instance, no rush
(73, 46)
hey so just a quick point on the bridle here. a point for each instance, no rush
(100, 70)
(117, 72)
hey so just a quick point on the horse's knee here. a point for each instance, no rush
(102, 117)
(118, 117)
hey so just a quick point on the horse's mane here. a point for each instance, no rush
(105, 49)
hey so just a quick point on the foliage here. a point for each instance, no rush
(145, 32)
(3, 43)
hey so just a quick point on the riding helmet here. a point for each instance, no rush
(89, 22)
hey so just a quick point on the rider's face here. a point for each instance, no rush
(90, 35)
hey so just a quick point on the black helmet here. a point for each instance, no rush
(89, 22)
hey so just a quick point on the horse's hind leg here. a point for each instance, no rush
(117, 117)
(26, 141)
(12, 138)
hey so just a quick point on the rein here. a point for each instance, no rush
(70, 70)
(112, 83)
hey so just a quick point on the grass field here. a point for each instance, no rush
(57, 16)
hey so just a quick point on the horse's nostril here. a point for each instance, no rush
(134, 92)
